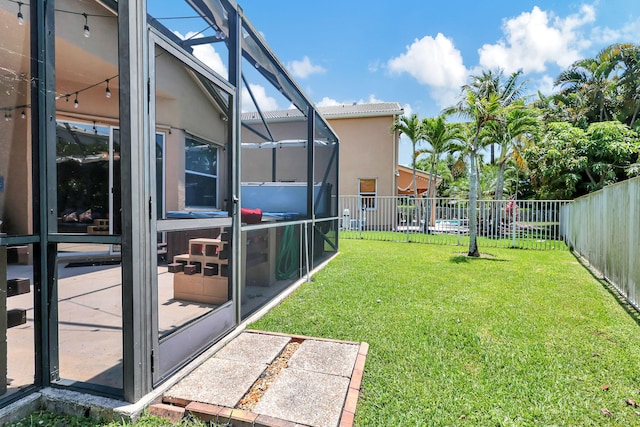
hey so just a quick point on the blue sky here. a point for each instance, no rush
(419, 53)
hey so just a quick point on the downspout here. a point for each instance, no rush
(395, 144)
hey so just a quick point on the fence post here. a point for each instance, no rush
(513, 221)
(459, 219)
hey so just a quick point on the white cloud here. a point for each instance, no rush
(408, 111)
(432, 61)
(265, 102)
(629, 31)
(536, 38)
(328, 102)
(372, 100)
(544, 85)
(206, 53)
(303, 69)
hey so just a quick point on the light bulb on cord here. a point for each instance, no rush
(20, 16)
(87, 32)
(23, 114)
(107, 92)
(75, 102)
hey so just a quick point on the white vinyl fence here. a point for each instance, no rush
(604, 228)
(533, 224)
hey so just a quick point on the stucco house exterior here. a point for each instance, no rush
(370, 176)
(405, 181)
(368, 146)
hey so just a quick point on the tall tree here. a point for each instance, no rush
(512, 134)
(411, 127)
(481, 110)
(442, 138)
(627, 59)
(587, 81)
(509, 90)
(611, 147)
(556, 162)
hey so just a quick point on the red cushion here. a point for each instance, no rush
(251, 216)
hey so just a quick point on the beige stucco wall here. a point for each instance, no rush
(181, 101)
(15, 168)
(368, 149)
(291, 162)
(183, 106)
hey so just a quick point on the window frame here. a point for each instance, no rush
(189, 172)
(368, 195)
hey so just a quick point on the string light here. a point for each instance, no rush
(20, 16)
(76, 103)
(87, 32)
(8, 111)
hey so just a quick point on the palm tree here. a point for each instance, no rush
(627, 58)
(481, 108)
(588, 79)
(412, 128)
(442, 138)
(518, 127)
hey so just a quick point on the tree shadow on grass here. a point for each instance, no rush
(465, 259)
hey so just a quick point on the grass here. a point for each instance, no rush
(524, 239)
(48, 419)
(515, 338)
(522, 338)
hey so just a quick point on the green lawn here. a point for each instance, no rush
(516, 338)
(48, 419)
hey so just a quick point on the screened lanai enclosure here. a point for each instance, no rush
(147, 205)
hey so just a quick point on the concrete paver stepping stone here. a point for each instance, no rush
(325, 357)
(254, 348)
(218, 382)
(305, 397)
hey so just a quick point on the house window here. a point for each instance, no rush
(201, 174)
(367, 192)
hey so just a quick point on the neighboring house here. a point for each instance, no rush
(368, 147)
(369, 171)
(405, 181)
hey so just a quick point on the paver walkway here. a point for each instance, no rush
(269, 379)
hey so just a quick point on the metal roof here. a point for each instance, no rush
(361, 110)
(343, 111)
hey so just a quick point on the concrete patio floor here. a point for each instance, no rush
(268, 379)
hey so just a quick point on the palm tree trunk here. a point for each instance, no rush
(430, 196)
(473, 245)
(415, 195)
(497, 220)
(415, 188)
(500, 181)
(635, 114)
(479, 184)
